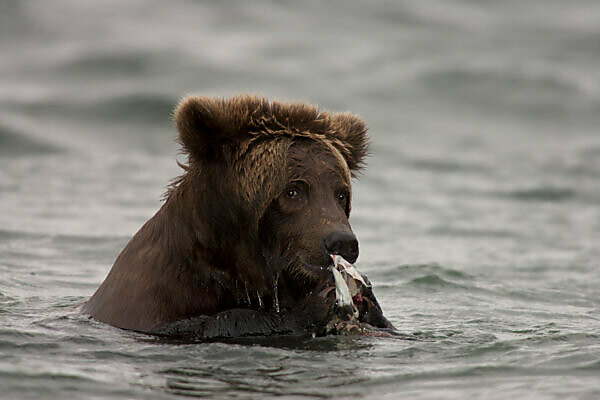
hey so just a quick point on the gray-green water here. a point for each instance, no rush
(479, 215)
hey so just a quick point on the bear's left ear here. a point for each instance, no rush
(351, 130)
(205, 126)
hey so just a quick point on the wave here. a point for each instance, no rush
(496, 79)
(434, 281)
(135, 108)
(14, 143)
(103, 64)
(431, 269)
(472, 232)
(446, 166)
(428, 277)
(542, 193)
(552, 95)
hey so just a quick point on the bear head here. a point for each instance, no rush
(271, 185)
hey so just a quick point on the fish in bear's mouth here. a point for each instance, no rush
(354, 300)
(347, 278)
(348, 281)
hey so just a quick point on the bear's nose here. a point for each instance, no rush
(342, 243)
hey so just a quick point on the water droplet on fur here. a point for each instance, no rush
(260, 303)
(248, 295)
(276, 293)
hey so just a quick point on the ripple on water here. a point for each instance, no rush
(14, 143)
(447, 166)
(139, 108)
(434, 281)
(431, 277)
(542, 194)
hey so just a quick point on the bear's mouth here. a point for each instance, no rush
(310, 272)
(317, 270)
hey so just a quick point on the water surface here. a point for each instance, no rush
(478, 217)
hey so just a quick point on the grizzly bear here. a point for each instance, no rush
(243, 241)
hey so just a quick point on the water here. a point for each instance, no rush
(478, 217)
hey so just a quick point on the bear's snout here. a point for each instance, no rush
(343, 244)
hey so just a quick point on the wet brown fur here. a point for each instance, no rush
(201, 253)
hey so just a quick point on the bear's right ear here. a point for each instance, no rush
(204, 128)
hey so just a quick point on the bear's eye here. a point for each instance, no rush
(341, 196)
(296, 190)
(291, 193)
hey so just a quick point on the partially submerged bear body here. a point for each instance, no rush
(242, 243)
